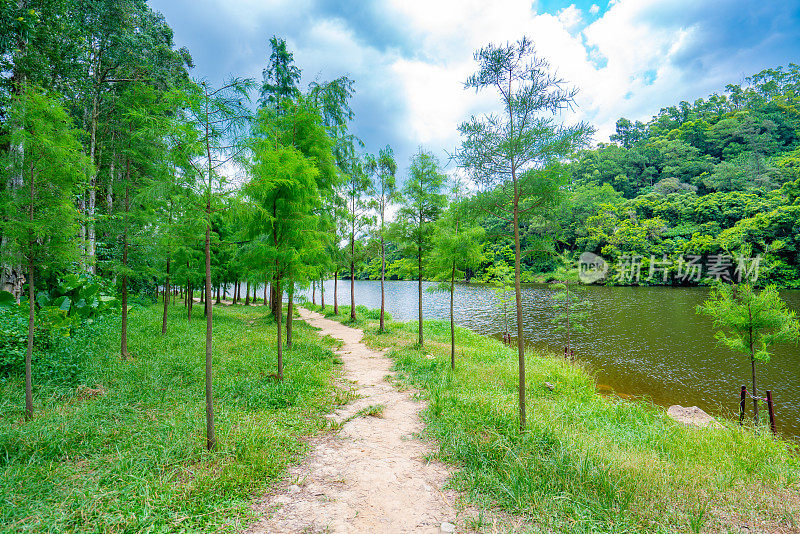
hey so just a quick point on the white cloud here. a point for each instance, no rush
(570, 17)
(628, 60)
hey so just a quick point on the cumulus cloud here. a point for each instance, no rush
(410, 57)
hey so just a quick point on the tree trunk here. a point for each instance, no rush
(124, 334)
(166, 300)
(211, 441)
(335, 292)
(518, 294)
(272, 297)
(353, 271)
(278, 317)
(419, 287)
(314, 292)
(266, 288)
(569, 339)
(219, 293)
(382, 326)
(29, 352)
(247, 294)
(92, 191)
(755, 400)
(352, 291)
(31, 313)
(452, 322)
(289, 310)
(322, 293)
(189, 301)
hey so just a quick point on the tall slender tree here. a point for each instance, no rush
(39, 218)
(219, 117)
(385, 192)
(457, 246)
(356, 190)
(752, 322)
(423, 202)
(497, 149)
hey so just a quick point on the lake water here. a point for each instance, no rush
(639, 341)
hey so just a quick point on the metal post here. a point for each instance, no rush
(771, 412)
(742, 396)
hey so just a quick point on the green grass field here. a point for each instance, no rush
(587, 463)
(131, 458)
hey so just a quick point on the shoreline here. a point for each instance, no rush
(587, 461)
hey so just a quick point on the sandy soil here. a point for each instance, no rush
(372, 474)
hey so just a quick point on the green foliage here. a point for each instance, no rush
(422, 204)
(38, 217)
(715, 176)
(77, 299)
(58, 360)
(752, 321)
(129, 440)
(501, 276)
(571, 311)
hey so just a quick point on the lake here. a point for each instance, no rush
(639, 341)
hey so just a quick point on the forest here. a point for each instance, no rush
(159, 233)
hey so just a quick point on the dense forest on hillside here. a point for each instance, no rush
(711, 181)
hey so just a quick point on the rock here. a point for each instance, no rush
(294, 488)
(447, 528)
(692, 416)
(549, 386)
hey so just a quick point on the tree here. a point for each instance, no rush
(457, 246)
(423, 202)
(501, 277)
(39, 218)
(496, 149)
(281, 76)
(752, 322)
(571, 312)
(385, 191)
(283, 193)
(218, 118)
(356, 188)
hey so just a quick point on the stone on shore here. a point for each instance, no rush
(692, 416)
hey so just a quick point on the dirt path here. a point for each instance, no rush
(370, 476)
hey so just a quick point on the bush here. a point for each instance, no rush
(14, 340)
(58, 358)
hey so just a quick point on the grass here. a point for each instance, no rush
(127, 454)
(587, 463)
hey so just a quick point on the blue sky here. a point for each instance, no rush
(409, 57)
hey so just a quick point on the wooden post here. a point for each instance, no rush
(742, 396)
(771, 413)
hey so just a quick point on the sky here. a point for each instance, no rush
(409, 58)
